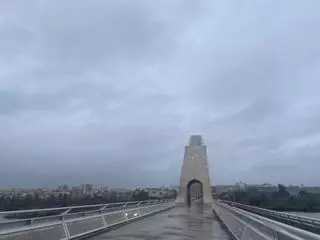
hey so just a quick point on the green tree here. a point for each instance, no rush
(303, 194)
(140, 195)
(282, 191)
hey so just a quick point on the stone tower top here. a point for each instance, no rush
(195, 140)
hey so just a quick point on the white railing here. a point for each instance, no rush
(69, 226)
(243, 225)
(11, 219)
(286, 217)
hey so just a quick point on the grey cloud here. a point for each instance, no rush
(78, 35)
(90, 90)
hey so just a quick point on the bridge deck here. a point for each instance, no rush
(177, 224)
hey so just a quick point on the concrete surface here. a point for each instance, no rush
(181, 223)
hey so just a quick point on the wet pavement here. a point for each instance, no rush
(180, 223)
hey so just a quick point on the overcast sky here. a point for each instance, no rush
(110, 91)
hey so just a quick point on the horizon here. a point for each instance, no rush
(166, 186)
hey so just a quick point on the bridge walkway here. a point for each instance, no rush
(179, 223)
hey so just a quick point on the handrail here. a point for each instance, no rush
(103, 208)
(66, 208)
(288, 216)
(84, 225)
(245, 225)
(279, 225)
(21, 229)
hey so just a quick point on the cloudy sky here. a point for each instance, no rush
(110, 91)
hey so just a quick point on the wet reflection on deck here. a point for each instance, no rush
(179, 223)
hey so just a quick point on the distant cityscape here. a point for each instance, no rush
(295, 198)
(90, 193)
(266, 187)
(85, 192)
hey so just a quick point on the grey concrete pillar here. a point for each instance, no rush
(195, 168)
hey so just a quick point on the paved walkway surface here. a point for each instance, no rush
(179, 223)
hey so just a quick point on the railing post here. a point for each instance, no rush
(138, 208)
(29, 221)
(66, 230)
(104, 221)
(124, 211)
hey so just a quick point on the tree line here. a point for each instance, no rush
(280, 200)
(63, 200)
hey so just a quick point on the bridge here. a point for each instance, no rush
(193, 215)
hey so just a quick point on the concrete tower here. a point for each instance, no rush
(194, 169)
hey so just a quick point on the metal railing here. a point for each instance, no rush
(67, 225)
(307, 223)
(244, 225)
(11, 219)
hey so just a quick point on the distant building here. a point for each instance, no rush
(100, 188)
(105, 189)
(241, 186)
(87, 189)
(64, 187)
(155, 192)
(224, 188)
(76, 192)
(162, 192)
(267, 187)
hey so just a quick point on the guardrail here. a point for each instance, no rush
(306, 223)
(68, 226)
(243, 225)
(37, 216)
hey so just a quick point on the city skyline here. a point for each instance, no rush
(111, 92)
(101, 185)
